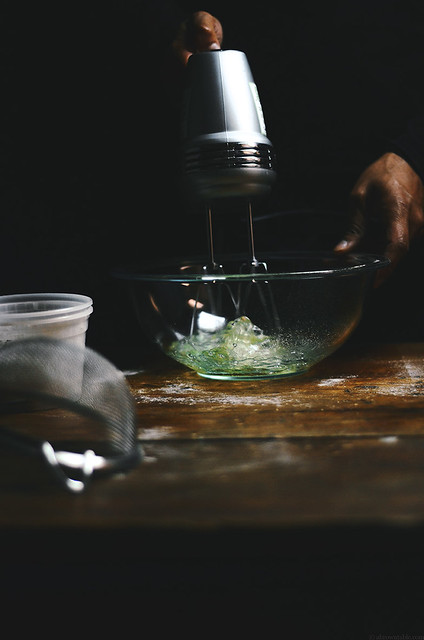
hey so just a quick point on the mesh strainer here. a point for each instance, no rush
(45, 373)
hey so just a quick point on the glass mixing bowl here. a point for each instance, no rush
(238, 322)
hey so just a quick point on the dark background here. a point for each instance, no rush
(90, 140)
(89, 180)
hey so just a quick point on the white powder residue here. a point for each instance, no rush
(178, 388)
(413, 369)
(410, 382)
(133, 372)
(217, 398)
(192, 395)
(332, 382)
(156, 433)
(402, 389)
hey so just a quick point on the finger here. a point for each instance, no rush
(416, 222)
(201, 32)
(180, 45)
(204, 32)
(397, 242)
(355, 233)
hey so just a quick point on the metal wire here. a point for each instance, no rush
(62, 374)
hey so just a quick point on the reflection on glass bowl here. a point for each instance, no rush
(238, 323)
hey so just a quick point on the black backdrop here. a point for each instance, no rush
(89, 139)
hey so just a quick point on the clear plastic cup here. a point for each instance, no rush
(62, 316)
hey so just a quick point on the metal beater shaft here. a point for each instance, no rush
(213, 266)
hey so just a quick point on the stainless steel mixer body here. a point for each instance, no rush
(226, 150)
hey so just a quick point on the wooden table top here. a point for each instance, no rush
(293, 492)
(343, 443)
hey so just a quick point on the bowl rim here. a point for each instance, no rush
(350, 264)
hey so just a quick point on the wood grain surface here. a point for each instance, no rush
(362, 391)
(297, 502)
(342, 444)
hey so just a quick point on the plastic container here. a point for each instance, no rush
(63, 316)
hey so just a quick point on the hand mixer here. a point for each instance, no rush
(226, 151)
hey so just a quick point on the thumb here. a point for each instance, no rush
(204, 32)
(201, 32)
(354, 233)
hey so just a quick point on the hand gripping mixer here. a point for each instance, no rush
(226, 152)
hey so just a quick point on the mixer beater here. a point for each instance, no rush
(226, 151)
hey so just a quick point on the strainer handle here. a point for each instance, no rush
(65, 464)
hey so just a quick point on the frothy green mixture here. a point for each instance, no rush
(239, 349)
